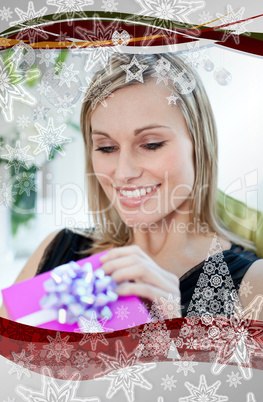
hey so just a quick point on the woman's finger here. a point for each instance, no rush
(139, 273)
(109, 267)
(120, 252)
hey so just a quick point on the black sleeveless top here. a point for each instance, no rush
(67, 244)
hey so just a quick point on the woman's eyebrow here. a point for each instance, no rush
(136, 132)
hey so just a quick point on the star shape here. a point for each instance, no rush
(172, 99)
(17, 156)
(134, 70)
(185, 364)
(235, 29)
(65, 74)
(203, 392)
(97, 93)
(93, 331)
(11, 87)
(170, 307)
(21, 364)
(51, 391)
(26, 183)
(124, 373)
(49, 139)
(58, 347)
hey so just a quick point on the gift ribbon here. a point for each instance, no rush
(73, 292)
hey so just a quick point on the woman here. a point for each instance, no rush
(151, 163)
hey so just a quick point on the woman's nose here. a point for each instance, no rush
(127, 167)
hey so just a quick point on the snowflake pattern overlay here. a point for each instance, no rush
(72, 8)
(124, 372)
(169, 10)
(49, 139)
(11, 87)
(28, 19)
(21, 364)
(203, 392)
(50, 389)
(58, 347)
(233, 30)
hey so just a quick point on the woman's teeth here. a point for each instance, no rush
(138, 192)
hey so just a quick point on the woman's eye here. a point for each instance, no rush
(106, 150)
(152, 146)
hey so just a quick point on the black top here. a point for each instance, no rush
(66, 245)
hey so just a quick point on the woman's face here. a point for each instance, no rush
(124, 159)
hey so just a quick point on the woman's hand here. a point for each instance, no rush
(131, 263)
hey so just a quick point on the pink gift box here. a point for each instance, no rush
(22, 299)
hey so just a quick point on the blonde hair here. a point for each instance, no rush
(199, 118)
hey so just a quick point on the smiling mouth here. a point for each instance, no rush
(137, 195)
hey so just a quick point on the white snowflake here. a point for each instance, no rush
(58, 347)
(47, 56)
(72, 8)
(23, 121)
(186, 364)
(64, 105)
(50, 389)
(17, 156)
(205, 17)
(170, 308)
(80, 359)
(134, 70)
(5, 13)
(195, 55)
(97, 54)
(6, 195)
(25, 16)
(168, 382)
(65, 74)
(202, 392)
(26, 183)
(62, 38)
(97, 93)
(11, 87)
(245, 289)
(124, 373)
(236, 29)
(40, 112)
(234, 379)
(21, 364)
(122, 312)
(172, 99)
(93, 330)
(31, 347)
(109, 5)
(169, 9)
(49, 139)
(44, 88)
